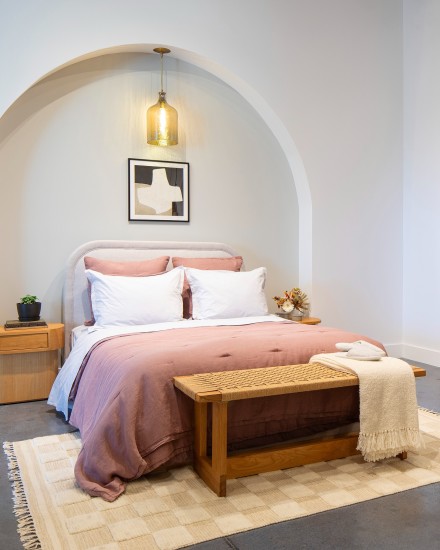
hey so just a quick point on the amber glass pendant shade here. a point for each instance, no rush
(161, 117)
(162, 123)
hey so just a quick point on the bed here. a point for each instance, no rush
(116, 385)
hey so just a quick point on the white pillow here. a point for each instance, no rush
(227, 294)
(118, 300)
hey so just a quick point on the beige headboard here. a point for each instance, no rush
(76, 307)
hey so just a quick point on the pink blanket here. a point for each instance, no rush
(132, 419)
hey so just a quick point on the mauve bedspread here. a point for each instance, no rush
(132, 420)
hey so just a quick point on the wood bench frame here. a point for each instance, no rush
(217, 468)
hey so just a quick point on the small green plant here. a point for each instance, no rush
(28, 299)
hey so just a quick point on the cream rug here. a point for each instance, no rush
(176, 509)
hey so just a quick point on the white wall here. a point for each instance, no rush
(421, 295)
(65, 145)
(326, 77)
(348, 73)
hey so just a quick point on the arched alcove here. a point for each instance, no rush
(248, 185)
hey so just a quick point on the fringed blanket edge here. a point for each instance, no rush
(436, 413)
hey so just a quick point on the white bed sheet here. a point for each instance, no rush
(86, 337)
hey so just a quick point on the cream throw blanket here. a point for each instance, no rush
(388, 405)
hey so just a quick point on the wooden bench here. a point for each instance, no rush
(219, 388)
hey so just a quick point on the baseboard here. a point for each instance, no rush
(414, 353)
(422, 355)
(394, 350)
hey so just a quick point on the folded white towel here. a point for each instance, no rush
(388, 415)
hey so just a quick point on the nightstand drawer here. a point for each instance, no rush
(20, 342)
(29, 362)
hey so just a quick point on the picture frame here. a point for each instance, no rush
(158, 190)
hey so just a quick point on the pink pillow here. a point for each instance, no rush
(140, 268)
(232, 263)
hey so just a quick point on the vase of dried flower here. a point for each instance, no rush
(294, 315)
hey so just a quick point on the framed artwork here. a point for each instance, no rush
(158, 191)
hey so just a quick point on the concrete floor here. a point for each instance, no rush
(405, 521)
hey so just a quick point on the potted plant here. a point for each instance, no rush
(293, 304)
(29, 308)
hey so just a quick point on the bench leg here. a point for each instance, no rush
(220, 444)
(200, 428)
(212, 471)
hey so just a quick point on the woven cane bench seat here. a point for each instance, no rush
(217, 389)
(245, 384)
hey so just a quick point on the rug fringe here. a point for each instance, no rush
(25, 523)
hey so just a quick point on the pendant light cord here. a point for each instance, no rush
(161, 72)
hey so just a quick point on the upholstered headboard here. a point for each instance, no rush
(76, 307)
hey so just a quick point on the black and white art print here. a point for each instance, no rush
(158, 190)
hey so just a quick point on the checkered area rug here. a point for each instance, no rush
(176, 509)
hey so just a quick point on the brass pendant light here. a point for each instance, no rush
(161, 117)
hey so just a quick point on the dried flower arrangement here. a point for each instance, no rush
(293, 299)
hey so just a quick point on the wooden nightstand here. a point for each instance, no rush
(310, 321)
(304, 320)
(29, 362)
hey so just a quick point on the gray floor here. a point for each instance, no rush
(409, 520)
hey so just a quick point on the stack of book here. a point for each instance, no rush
(14, 324)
